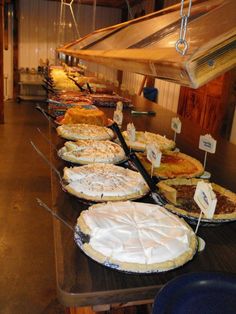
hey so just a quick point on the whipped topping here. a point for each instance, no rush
(136, 232)
(144, 138)
(91, 151)
(84, 131)
(104, 180)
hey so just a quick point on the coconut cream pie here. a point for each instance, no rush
(84, 132)
(104, 182)
(144, 138)
(92, 151)
(136, 237)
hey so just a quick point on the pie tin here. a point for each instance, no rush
(78, 237)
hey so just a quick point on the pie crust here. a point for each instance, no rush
(144, 138)
(83, 131)
(174, 165)
(104, 182)
(88, 114)
(226, 200)
(92, 151)
(136, 237)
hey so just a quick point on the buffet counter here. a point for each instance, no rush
(83, 282)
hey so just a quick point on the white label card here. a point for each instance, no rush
(176, 125)
(205, 199)
(131, 132)
(119, 106)
(116, 83)
(118, 117)
(207, 143)
(153, 154)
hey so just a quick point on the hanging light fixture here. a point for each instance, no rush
(129, 9)
(62, 24)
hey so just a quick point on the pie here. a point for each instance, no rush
(106, 100)
(92, 151)
(83, 131)
(144, 138)
(88, 114)
(70, 97)
(58, 109)
(135, 237)
(104, 182)
(57, 105)
(180, 193)
(93, 85)
(174, 165)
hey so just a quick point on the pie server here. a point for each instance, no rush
(159, 199)
(84, 238)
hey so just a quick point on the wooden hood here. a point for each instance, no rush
(147, 45)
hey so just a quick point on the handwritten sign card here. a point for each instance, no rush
(116, 83)
(118, 117)
(206, 199)
(119, 106)
(207, 143)
(176, 125)
(153, 155)
(131, 132)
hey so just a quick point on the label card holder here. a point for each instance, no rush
(154, 156)
(176, 126)
(206, 200)
(208, 144)
(131, 132)
(118, 117)
(119, 106)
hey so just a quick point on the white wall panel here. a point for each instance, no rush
(39, 28)
(104, 17)
(39, 37)
(168, 94)
(132, 81)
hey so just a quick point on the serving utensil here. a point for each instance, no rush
(48, 162)
(46, 114)
(54, 214)
(76, 83)
(46, 139)
(48, 89)
(159, 199)
(89, 88)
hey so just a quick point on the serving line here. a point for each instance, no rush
(83, 282)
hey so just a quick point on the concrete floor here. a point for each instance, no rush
(27, 281)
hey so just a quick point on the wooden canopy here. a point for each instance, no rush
(147, 45)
